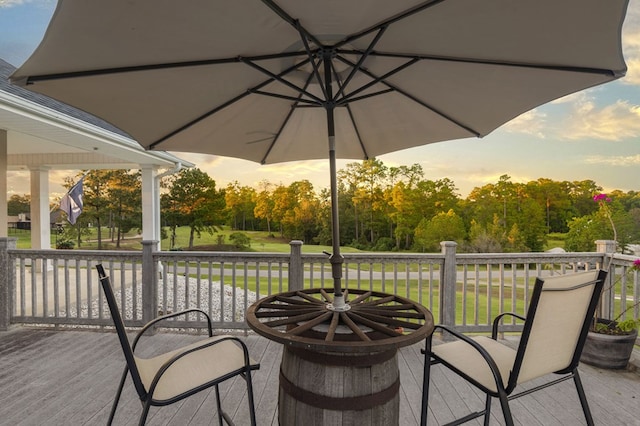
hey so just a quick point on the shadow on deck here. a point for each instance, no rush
(70, 377)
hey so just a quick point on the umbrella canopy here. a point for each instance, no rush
(290, 80)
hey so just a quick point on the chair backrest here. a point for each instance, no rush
(122, 334)
(558, 319)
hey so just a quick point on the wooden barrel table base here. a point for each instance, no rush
(339, 367)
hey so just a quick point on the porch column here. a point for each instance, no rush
(150, 205)
(3, 183)
(40, 220)
(7, 280)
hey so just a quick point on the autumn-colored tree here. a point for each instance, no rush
(240, 204)
(124, 191)
(264, 204)
(194, 201)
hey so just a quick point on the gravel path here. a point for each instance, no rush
(182, 295)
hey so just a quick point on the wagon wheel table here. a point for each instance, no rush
(339, 365)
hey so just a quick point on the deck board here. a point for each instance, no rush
(70, 377)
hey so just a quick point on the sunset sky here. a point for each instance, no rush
(594, 134)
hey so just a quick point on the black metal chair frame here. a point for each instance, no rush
(504, 393)
(146, 395)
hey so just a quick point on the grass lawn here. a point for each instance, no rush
(260, 241)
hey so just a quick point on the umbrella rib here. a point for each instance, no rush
(584, 70)
(226, 104)
(289, 98)
(150, 67)
(418, 101)
(356, 68)
(377, 80)
(370, 95)
(285, 121)
(314, 64)
(280, 79)
(365, 154)
(357, 130)
(290, 20)
(402, 15)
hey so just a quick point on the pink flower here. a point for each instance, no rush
(636, 264)
(602, 199)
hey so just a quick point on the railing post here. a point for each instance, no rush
(608, 248)
(448, 278)
(149, 282)
(7, 281)
(296, 277)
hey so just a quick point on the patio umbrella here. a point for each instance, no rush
(274, 81)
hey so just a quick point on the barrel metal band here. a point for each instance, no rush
(324, 358)
(348, 403)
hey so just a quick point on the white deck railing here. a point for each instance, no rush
(61, 288)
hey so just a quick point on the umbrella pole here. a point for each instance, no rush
(336, 258)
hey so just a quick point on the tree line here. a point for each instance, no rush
(380, 208)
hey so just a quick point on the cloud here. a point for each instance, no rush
(10, 3)
(631, 44)
(633, 72)
(613, 122)
(617, 161)
(531, 123)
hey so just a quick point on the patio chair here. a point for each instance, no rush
(552, 339)
(178, 374)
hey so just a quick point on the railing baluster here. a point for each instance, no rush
(36, 298)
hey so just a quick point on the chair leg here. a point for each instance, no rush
(252, 408)
(426, 379)
(583, 397)
(506, 411)
(487, 410)
(145, 411)
(219, 405)
(114, 407)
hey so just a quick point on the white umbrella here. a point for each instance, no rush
(305, 79)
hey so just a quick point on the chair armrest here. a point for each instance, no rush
(175, 358)
(496, 322)
(167, 316)
(482, 351)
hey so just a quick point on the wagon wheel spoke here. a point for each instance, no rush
(309, 298)
(297, 300)
(399, 307)
(310, 324)
(326, 295)
(385, 313)
(371, 321)
(381, 301)
(354, 327)
(335, 321)
(287, 312)
(391, 321)
(374, 325)
(293, 319)
(360, 298)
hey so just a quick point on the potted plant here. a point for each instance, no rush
(610, 343)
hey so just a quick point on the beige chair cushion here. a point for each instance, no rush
(465, 358)
(192, 370)
(557, 324)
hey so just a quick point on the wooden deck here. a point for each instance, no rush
(70, 377)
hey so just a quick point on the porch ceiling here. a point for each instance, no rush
(44, 133)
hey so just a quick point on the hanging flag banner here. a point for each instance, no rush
(71, 202)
